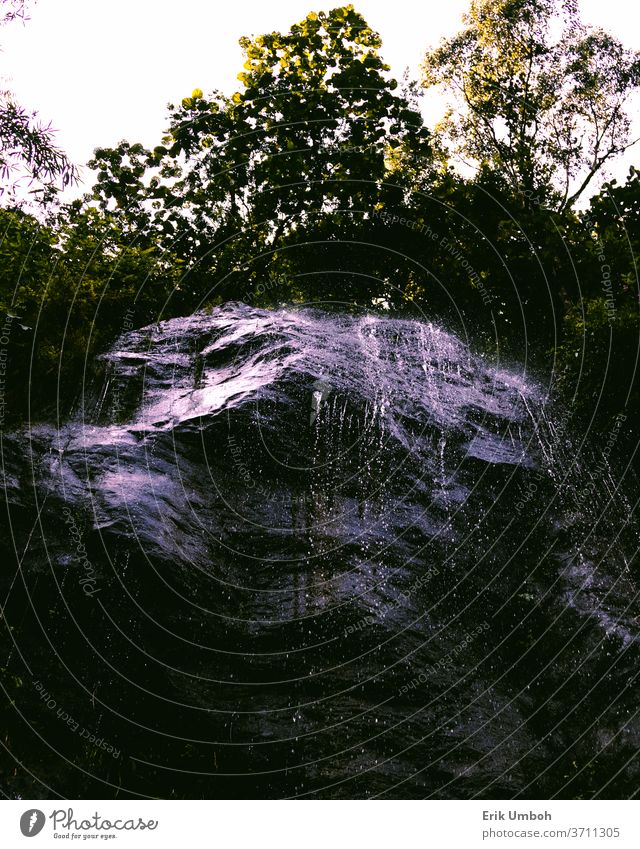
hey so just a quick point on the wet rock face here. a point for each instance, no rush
(287, 553)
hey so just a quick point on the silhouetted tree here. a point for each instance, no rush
(27, 149)
(536, 95)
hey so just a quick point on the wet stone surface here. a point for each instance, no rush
(288, 553)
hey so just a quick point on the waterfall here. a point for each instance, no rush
(334, 555)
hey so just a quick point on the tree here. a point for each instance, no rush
(536, 95)
(300, 153)
(27, 149)
(67, 286)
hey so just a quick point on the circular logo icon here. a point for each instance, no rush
(32, 822)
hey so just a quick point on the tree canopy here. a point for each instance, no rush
(536, 95)
(28, 151)
(302, 147)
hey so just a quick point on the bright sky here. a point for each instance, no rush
(104, 70)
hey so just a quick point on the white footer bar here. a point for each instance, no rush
(320, 824)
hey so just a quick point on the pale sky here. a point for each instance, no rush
(104, 70)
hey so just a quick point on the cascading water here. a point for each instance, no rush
(294, 553)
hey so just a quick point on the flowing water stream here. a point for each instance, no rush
(292, 553)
